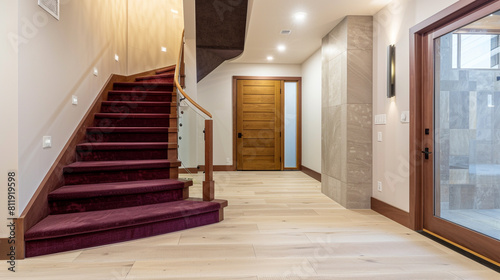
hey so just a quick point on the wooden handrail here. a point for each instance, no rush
(178, 86)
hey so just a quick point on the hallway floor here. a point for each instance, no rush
(278, 225)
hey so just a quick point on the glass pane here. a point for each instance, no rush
(467, 127)
(291, 125)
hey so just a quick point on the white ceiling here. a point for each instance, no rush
(269, 17)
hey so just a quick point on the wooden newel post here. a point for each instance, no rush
(209, 184)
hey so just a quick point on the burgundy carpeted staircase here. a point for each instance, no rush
(124, 184)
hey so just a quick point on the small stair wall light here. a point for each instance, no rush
(96, 72)
(391, 71)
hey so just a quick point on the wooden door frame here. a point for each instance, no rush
(421, 83)
(299, 116)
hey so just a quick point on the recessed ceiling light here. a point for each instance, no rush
(174, 11)
(163, 49)
(281, 48)
(270, 58)
(300, 16)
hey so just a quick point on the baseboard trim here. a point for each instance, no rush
(311, 173)
(4, 248)
(391, 212)
(219, 168)
(188, 170)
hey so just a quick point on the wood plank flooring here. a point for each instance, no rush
(278, 226)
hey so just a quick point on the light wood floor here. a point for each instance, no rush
(278, 226)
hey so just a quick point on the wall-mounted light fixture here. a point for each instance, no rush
(391, 71)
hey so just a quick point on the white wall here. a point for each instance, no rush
(190, 151)
(57, 58)
(151, 27)
(311, 112)
(215, 94)
(391, 157)
(8, 105)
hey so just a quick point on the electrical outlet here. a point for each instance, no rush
(228, 160)
(379, 186)
(47, 142)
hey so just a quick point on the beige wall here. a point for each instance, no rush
(8, 105)
(151, 27)
(55, 62)
(391, 157)
(311, 112)
(215, 94)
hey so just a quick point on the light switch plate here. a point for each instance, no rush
(96, 72)
(381, 119)
(379, 136)
(405, 117)
(74, 100)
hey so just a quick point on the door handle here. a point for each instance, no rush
(426, 152)
(240, 135)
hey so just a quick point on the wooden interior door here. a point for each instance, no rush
(258, 125)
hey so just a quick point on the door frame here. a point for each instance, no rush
(421, 84)
(299, 116)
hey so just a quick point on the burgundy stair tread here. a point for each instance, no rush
(142, 84)
(54, 226)
(131, 129)
(90, 166)
(133, 116)
(158, 92)
(89, 147)
(138, 103)
(118, 188)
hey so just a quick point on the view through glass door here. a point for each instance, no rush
(466, 136)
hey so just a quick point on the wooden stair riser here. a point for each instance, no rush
(140, 96)
(139, 154)
(131, 108)
(142, 86)
(167, 76)
(120, 176)
(99, 137)
(159, 80)
(131, 121)
(170, 69)
(113, 202)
